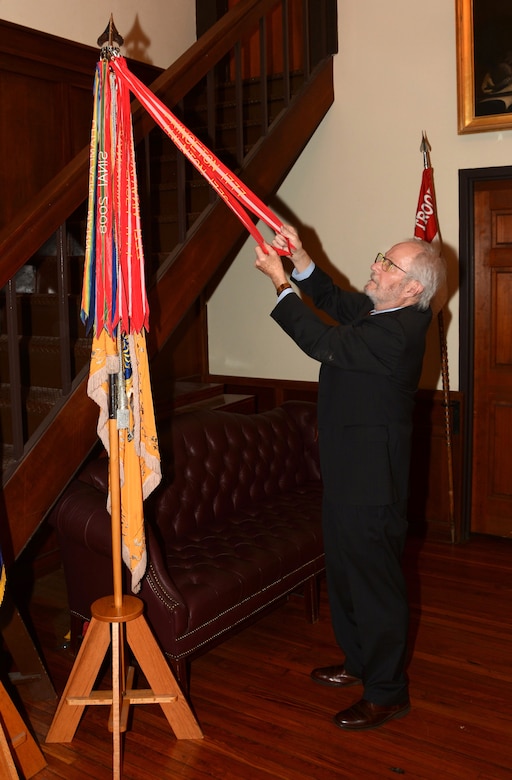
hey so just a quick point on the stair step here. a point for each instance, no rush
(38, 314)
(165, 232)
(165, 201)
(37, 401)
(169, 394)
(7, 458)
(225, 94)
(40, 359)
(190, 394)
(188, 391)
(233, 402)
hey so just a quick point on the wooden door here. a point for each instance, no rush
(491, 506)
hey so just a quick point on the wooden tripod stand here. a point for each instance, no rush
(115, 618)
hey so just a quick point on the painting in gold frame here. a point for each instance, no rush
(484, 65)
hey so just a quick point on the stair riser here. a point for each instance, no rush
(225, 93)
(34, 418)
(164, 166)
(227, 114)
(40, 365)
(165, 233)
(165, 202)
(38, 315)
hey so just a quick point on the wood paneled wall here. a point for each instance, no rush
(46, 98)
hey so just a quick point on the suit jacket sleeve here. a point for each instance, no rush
(341, 305)
(371, 344)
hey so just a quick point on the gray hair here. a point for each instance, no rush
(428, 267)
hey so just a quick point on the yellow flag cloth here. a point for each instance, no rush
(139, 456)
(3, 578)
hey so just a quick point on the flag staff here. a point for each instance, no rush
(115, 488)
(109, 41)
(425, 149)
(120, 315)
(109, 36)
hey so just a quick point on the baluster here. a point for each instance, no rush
(286, 53)
(13, 352)
(63, 296)
(181, 189)
(324, 33)
(239, 107)
(211, 119)
(263, 76)
(145, 202)
(306, 54)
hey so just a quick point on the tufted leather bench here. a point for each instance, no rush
(233, 528)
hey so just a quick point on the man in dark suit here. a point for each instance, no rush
(371, 361)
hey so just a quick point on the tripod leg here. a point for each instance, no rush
(83, 675)
(161, 679)
(7, 766)
(16, 740)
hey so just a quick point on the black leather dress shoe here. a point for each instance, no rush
(366, 715)
(337, 676)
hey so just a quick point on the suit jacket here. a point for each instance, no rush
(370, 369)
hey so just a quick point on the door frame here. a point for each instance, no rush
(467, 179)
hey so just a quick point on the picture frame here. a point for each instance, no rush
(484, 65)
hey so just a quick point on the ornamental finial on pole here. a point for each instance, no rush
(425, 149)
(110, 40)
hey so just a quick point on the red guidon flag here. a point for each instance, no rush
(425, 226)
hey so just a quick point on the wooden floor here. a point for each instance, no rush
(263, 718)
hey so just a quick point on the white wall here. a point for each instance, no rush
(355, 189)
(155, 31)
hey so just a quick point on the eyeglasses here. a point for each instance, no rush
(387, 263)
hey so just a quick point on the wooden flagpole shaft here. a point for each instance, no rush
(425, 149)
(115, 494)
(447, 420)
(118, 621)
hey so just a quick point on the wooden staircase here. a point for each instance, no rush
(259, 127)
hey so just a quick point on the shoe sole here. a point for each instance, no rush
(394, 716)
(336, 685)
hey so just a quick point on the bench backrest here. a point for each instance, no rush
(215, 463)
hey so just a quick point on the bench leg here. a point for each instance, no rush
(312, 599)
(181, 671)
(77, 629)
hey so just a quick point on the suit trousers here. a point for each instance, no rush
(367, 594)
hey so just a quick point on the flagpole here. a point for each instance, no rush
(115, 492)
(425, 149)
(113, 277)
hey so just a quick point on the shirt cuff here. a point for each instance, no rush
(284, 294)
(303, 274)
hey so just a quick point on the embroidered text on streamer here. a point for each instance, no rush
(227, 185)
